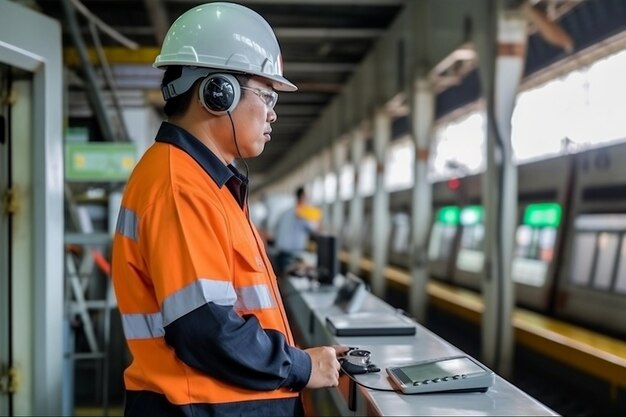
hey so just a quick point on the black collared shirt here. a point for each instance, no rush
(228, 175)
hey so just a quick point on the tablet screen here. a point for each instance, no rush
(441, 369)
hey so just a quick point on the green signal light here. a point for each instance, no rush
(449, 215)
(472, 215)
(543, 215)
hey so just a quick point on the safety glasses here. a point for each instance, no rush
(269, 97)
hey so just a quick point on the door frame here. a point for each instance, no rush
(40, 52)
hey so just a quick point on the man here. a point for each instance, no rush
(200, 305)
(293, 229)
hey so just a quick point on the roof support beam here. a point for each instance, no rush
(316, 2)
(120, 55)
(158, 17)
(335, 33)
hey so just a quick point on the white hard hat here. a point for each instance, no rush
(225, 36)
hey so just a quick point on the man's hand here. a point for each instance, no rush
(324, 366)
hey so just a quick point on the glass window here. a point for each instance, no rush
(564, 115)
(458, 148)
(584, 107)
(330, 187)
(607, 251)
(317, 191)
(399, 165)
(346, 182)
(584, 248)
(367, 176)
(473, 233)
(547, 240)
(473, 236)
(535, 243)
(400, 233)
(620, 280)
(523, 240)
(441, 241)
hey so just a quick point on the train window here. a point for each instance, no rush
(607, 251)
(547, 240)
(346, 182)
(330, 187)
(599, 236)
(527, 266)
(443, 233)
(400, 233)
(620, 279)
(471, 255)
(584, 248)
(473, 228)
(399, 165)
(441, 242)
(317, 191)
(367, 176)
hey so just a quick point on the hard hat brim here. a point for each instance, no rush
(279, 83)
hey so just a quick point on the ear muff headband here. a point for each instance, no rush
(219, 93)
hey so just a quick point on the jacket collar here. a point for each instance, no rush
(222, 174)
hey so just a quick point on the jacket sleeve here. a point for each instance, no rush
(216, 340)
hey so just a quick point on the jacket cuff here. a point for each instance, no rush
(300, 370)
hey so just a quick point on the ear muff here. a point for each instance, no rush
(219, 93)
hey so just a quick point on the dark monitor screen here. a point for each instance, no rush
(327, 258)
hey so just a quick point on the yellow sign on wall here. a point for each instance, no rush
(99, 161)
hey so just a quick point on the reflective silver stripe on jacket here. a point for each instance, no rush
(254, 297)
(196, 295)
(185, 300)
(143, 326)
(127, 223)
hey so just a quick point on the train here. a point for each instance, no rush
(570, 242)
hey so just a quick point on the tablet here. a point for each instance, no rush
(449, 374)
(370, 324)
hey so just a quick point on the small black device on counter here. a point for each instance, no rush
(351, 294)
(358, 361)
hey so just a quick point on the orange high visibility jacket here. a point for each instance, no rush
(199, 302)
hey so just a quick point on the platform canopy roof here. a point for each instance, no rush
(324, 43)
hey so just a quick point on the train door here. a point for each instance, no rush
(5, 240)
(449, 197)
(470, 257)
(592, 285)
(544, 195)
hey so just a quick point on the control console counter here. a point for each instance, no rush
(310, 308)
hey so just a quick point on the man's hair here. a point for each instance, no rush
(299, 193)
(178, 105)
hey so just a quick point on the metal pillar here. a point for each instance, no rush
(422, 114)
(325, 167)
(357, 148)
(501, 68)
(380, 224)
(338, 158)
